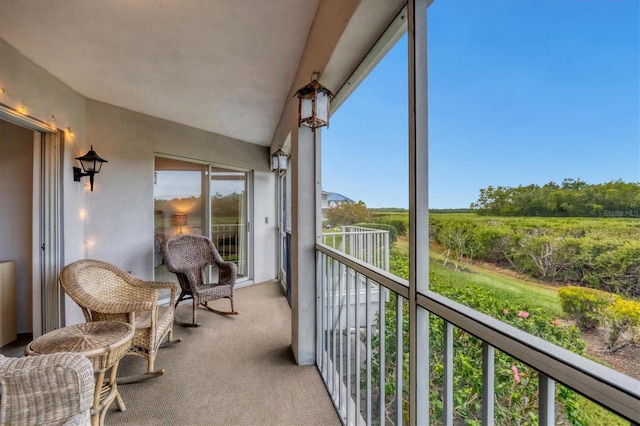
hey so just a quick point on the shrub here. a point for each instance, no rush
(384, 227)
(623, 316)
(586, 306)
(348, 214)
(400, 222)
(597, 253)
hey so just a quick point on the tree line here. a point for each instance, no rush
(572, 198)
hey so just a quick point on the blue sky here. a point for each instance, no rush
(520, 92)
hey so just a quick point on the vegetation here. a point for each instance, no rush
(227, 207)
(348, 214)
(393, 234)
(571, 198)
(599, 253)
(516, 384)
(602, 253)
(585, 305)
(591, 308)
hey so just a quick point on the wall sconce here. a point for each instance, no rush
(279, 161)
(314, 102)
(181, 220)
(91, 165)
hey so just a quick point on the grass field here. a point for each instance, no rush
(500, 282)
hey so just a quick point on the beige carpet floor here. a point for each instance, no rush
(233, 370)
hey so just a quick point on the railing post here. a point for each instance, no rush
(369, 352)
(546, 400)
(348, 339)
(382, 356)
(399, 359)
(488, 382)
(447, 389)
(356, 285)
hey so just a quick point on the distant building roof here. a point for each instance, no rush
(334, 196)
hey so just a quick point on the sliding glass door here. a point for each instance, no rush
(202, 199)
(229, 216)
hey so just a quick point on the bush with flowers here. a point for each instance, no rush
(591, 309)
(516, 384)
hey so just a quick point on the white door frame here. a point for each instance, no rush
(47, 232)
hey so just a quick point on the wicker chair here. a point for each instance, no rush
(187, 256)
(106, 292)
(56, 389)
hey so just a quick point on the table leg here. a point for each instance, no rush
(113, 382)
(97, 415)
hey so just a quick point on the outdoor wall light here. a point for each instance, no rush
(279, 161)
(314, 102)
(91, 165)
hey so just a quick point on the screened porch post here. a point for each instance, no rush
(418, 214)
(304, 225)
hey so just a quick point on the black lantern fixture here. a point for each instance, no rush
(279, 161)
(91, 165)
(314, 102)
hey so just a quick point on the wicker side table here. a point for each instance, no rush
(103, 343)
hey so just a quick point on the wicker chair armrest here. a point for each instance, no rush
(228, 272)
(156, 285)
(159, 285)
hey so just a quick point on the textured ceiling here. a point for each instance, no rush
(213, 65)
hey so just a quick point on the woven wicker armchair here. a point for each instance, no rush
(106, 292)
(56, 389)
(187, 256)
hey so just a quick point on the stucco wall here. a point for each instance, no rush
(119, 220)
(44, 95)
(120, 209)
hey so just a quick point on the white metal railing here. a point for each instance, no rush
(345, 350)
(365, 244)
(230, 240)
(370, 246)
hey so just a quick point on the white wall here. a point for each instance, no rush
(120, 209)
(44, 96)
(119, 221)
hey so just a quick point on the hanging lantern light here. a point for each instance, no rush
(314, 103)
(279, 161)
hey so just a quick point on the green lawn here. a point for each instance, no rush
(503, 286)
(501, 283)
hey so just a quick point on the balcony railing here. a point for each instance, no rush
(370, 246)
(230, 240)
(355, 371)
(365, 244)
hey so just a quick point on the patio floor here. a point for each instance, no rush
(233, 370)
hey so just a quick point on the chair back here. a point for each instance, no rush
(100, 289)
(187, 256)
